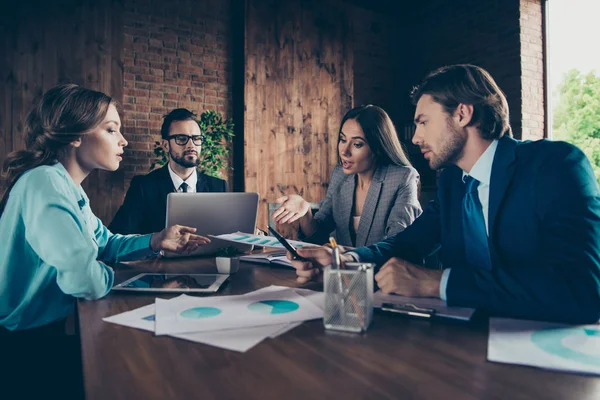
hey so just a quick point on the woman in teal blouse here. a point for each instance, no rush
(54, 249)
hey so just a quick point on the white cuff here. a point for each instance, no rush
(444, 283)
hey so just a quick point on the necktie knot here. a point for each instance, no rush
(471, 184)
(184, 187)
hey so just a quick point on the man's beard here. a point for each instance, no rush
(183, 162)
(451, 150)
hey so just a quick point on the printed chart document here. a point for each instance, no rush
(439, 305)
(240, 340)
(569, 348)
(256, 240)
(236, 339)
(274, 305)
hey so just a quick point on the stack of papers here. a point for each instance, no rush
(231, 322)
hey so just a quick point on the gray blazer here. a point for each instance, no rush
(391, 205)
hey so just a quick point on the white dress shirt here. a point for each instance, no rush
(177, 181)
(482, 171)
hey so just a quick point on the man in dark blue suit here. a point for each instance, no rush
(517, 223)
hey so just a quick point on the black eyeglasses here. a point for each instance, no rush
(183, 139)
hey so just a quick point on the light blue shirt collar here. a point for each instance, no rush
(482, 170)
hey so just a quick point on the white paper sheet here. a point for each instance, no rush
(440, 307)
(571, 348)
(237, 339)
(269, 306)
(317, 298)
(256, 240)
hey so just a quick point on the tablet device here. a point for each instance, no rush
(203, 283)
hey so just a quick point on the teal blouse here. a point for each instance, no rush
(54, 249)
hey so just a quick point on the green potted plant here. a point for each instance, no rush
(214, 155)
(227, 260)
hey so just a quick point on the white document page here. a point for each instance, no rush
(269, 306)
(569, 348)
(237, 339)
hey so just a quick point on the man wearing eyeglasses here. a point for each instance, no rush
(145, 205)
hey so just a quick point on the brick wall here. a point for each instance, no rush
(485, 33)
(532, 70)
(177, 54)
(504, 37)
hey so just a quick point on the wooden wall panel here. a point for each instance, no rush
(47, 43)
(299, 84)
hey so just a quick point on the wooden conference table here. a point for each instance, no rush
(398, 358)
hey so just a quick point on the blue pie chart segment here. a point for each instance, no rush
(200, 312)
(274, 306)
(551, 341)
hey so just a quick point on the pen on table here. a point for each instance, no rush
(408, 309)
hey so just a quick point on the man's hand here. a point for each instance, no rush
(319, 257)
(401, 277)
(177, 238)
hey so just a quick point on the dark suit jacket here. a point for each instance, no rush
(390, 206)
(145, 207)
(544, 236)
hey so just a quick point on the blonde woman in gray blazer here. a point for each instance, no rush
(372, 193)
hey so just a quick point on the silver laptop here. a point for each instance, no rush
(213, 214)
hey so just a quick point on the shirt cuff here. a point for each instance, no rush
(353, 255)
(444, 283)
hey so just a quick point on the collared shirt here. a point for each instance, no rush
(55, 249)
(482, 171)
(191, 181)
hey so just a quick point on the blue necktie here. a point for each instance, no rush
(184, 187)
(477, 250)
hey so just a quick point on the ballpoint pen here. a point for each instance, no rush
(408, 309)
(336, 264)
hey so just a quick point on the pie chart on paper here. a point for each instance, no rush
(274, 306)
(200, 312)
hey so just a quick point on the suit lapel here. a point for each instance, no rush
(201, 184)
(368, 213)
(503, 169)
(165, 186)
(347, 199)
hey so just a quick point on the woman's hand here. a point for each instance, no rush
(293, 207)
(177, 238)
